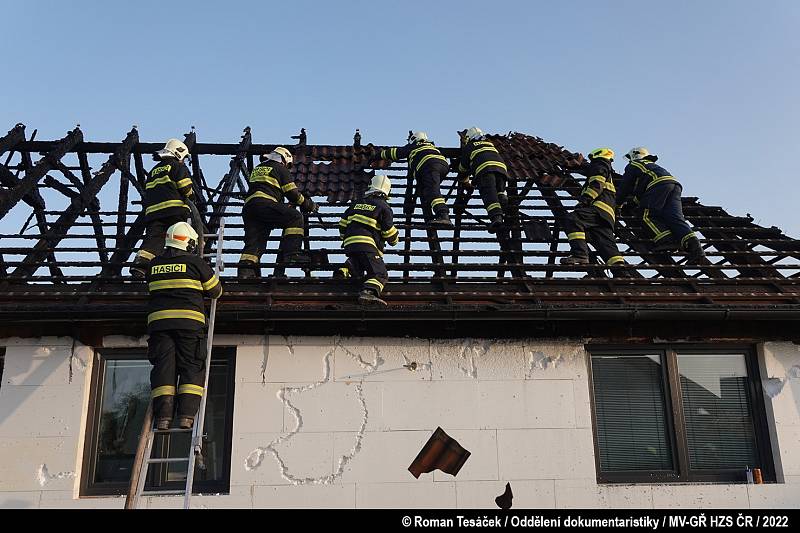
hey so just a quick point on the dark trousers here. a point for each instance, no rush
(156, 236)
(260, 218)
(587, 224)
(430, 181)
(662, 216)
(177, 355)
(367, 268)
(492, 187)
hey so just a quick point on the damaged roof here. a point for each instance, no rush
(79, 204)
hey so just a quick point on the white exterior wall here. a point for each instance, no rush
(335, 422)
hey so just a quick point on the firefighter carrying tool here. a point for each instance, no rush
(364, 227)
(264, 211)
(168, 185)
(426, 166)
(658, 194)
(177, 280)
(594, 217)
(480, 159)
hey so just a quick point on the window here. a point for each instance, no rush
(678, 413)
(120, 392)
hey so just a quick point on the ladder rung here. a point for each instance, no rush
(168, 460)
(174, 492)
(172, 430)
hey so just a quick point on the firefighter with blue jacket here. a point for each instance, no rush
(177, 281)
(427, 167)
(264, 211)
(364, 227)
(481, 160)
(168, 187)
(594, 218)
(658, 194)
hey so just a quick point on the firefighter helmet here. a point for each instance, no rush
(640, 152)
(182, 236)
(279, 154)
(380, 184)
(473, 133)
(174, 148)
(418, 136)
(602, 153)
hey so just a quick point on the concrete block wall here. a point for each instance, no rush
(335, 422)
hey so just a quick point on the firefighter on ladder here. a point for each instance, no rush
(658, 194)
(168, 185)
(594, 218)
(427, 167)
(177, 281)
(480, 159)
(364, 227)
(265, 211)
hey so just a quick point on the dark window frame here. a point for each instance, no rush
(676, 427)
(89, 489)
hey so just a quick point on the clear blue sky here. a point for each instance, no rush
(712, 86)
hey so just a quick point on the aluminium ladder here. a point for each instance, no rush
(143, 458)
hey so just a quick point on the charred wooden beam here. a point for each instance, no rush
(94, 206)
(41, 168)
(11, 139)
(60, 227)
(229, 181)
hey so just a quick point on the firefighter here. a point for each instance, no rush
(480, 159)
(427, 167)
(177, 280)
(593, 219)
(658, 194)
(364, 227)
(168, 185)
(265, 211)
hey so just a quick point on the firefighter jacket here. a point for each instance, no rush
(272, 181)
(177, 282)
(167, 186)
(421, 157)
(367, 224)
(479, 157)
(640, 177)
(599, 191)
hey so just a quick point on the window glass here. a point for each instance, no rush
(123, 393)
(717, 411)
(630, 413)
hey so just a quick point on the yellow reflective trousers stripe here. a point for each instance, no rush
(249, 257)
(577, 235)
(163, 390)
(188, 388)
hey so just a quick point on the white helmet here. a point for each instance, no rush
(473, 133)
(640, 152)
(418, 136)
(279, 154)
(380, 183)
(182, 236)
(174, 148)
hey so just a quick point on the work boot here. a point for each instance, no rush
(247, 273)
(369, 298)
(138, 269)
(297, 259)
(574, 260)
(442, 221)
(163, 423)
(666, 245)
(185, 422)
(621, 273)
(695, 253)
(495, 224)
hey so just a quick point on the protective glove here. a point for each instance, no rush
(309, 206)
